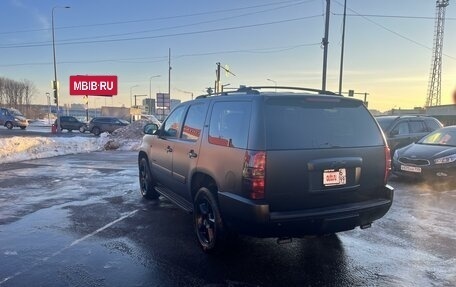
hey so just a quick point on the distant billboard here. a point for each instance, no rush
(82, 85)
(163, 101)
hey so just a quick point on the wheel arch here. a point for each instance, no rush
(201, 179)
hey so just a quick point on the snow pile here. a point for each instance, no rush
(25, 148)
(16, 149)
(125, 138)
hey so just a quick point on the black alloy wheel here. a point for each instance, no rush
(146, 183)
(209, 228)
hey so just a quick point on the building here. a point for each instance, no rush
(149, 106)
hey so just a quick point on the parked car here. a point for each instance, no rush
(432, 157)
(100, 125)
(10, 118)
(268, 164)
(71, 123)
(401, 131)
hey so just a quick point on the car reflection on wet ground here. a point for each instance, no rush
(79, 220)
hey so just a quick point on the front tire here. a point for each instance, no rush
(9, 125)
(96, 131)
(23, 128)
(146, 182)
(210, 231)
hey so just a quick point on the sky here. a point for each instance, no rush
(389, 58)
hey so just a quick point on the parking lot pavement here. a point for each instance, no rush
(38, 131)
(79, 220)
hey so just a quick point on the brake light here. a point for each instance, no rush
(387, 163)
(253, 173)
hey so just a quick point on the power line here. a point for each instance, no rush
(394, 32)
(169, 27)
(155, 19)
(391, 16)
(166, 35)
(165, 58)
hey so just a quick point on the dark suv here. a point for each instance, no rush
(100, 125)
(71, 123)
(269, 164)
(400, 131)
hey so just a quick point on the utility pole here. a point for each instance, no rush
(217, 82)
(342, 49)
(325, 45)
(169, 74)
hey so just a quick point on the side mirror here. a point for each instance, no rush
(150, 129)
(394, 133)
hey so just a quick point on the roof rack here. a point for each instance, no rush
(287, 88)
(253, 90)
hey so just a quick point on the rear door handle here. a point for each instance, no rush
(192, 154)
(169, 149)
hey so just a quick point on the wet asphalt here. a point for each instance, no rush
(79, 220)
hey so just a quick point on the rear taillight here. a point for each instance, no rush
(387, 163)
(253, 173)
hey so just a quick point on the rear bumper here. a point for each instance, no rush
(251, 218)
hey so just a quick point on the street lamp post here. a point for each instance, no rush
(275, 83)
(55, 85)
(150, 92)
(131, 101)
(48, 95)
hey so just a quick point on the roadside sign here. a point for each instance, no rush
(351, 93)
(82, 85)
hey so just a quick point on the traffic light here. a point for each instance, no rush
(56, 95)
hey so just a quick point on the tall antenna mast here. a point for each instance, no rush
(435, 77)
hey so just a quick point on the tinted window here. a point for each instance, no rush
(194, 122)
(385, 122)
(401, 128)
(172, 125)
(229, 124)
(417, 127)
(433, 124)
(302, 123)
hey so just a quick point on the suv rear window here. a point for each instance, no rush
(311, 122)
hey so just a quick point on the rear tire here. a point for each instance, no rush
(210, 231)
(9, 125)
(146, 182)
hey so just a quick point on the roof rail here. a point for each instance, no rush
(288, 88)
(253, 90)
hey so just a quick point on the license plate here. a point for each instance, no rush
(411, 168)
(333, 177)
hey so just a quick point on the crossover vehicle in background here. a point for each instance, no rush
(11, 118)
(269, 164)
(100, 125)
(401, 131)
(433, 157)
(71, 123)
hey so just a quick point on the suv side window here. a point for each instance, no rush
(172, 127)
(432, 124)
(229, 125)
(3, 112)
(401, 128)
(194, 122)
(417, 127)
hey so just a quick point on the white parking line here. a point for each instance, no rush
(77, 241)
